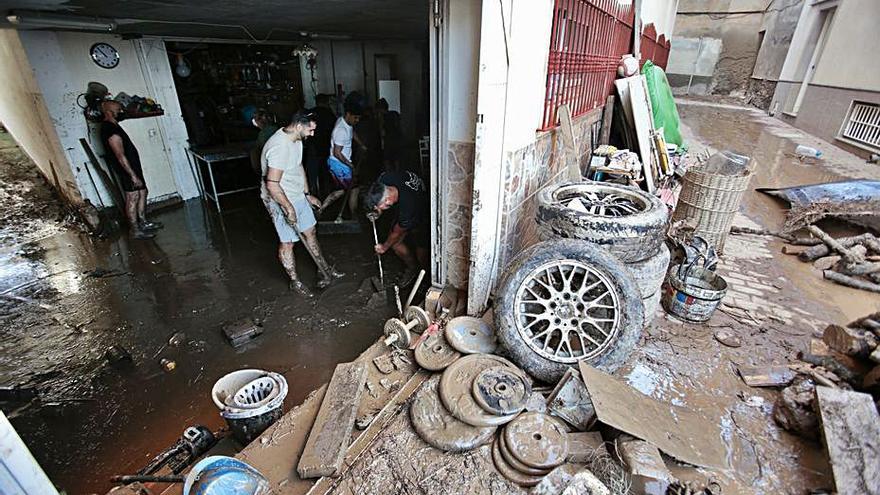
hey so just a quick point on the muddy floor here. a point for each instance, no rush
(68, 297)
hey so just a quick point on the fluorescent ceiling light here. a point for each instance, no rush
(36, 20)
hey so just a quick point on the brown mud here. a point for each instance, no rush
(68, 297)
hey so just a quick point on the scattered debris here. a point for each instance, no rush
(586, 483)
(384, 364)
(17, 393)
(583, 445)
(177, 339)
(648, 472)
(728, 338)
(851, 433)
(794, 409)
(331, 432)
(571, 402)
(116, 354)
(242, 332)
(167, 364)
(766, 376)
(675, 430)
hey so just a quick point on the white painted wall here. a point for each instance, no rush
(353, 63)
(514, 46)
(62, 67)
(462, 69)
(661, 13)
(849, 59)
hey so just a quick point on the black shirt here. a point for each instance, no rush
(319, 144)
(412, 201)
(108, 130)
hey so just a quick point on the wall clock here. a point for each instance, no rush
(104, 55)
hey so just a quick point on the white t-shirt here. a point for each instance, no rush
(342, 134)
(281, 153)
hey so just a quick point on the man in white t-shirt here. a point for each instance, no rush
(342, 169)
(285, 193)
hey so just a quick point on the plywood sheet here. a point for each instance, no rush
(851, 429)
(679, 432)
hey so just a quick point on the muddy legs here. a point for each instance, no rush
(285, 255)
(310, 240)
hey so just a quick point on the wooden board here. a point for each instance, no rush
(675, 430)
(643, 122)
(766, 376)
(567, 129)
(851, 429)
(331, 433)
(607, 113)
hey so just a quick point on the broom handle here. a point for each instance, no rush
(378, 256)
(412, 292)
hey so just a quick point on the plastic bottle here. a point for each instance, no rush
(806, 151)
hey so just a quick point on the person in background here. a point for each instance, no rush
(342, 169)
(409, 237)
(285, 193)
(264, 121)
(369, 157)
(123, 158)
(318, 146)
(393, 142)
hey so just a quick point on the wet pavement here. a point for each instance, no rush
(68, 297)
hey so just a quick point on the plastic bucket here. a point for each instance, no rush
(692, 293)
(250, 401)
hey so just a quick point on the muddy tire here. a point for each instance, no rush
(652, 305)
(564, 301)
(649, 274)
(629, 222)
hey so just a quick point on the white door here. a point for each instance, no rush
(827, 16)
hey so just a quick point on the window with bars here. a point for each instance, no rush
(863, 124)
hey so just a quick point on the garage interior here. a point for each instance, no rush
(210, 268)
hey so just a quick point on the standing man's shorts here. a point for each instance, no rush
(305, 219)
(340, 173)
(125, 181)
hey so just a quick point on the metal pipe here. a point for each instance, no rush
(378, 256)
(412, 292)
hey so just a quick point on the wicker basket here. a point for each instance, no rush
(709, 202)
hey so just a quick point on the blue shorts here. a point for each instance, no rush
(305, 219)
(340, 173)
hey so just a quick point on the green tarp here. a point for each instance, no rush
(662, 103)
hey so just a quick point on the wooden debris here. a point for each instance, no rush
(331, 432)
(849, 256)
(822, 250)
(586, 483)
(646, 468)
(582, 445)
(766, 376)
(851, 429)
(849, 341)
(850, 281)
(797, 241)
(556, 481)
(384, 364)
(675, 430)
(847, 368)
(871, 382)
(827, 262)
(792, 251)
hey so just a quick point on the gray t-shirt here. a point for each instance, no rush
(281, 153)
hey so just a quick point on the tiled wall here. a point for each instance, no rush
(527, 170)
(460, 194)
(530, 169)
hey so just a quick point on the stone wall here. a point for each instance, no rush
(460, 193)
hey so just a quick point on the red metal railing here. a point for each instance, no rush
(587, 39)
(653, 48)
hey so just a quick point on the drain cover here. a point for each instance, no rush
(456, 389)
(435, 354)
(536, 440)
(256, 393)
(440, 429)
(469, 335)
(501, 390)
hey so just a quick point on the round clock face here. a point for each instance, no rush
(104, 55)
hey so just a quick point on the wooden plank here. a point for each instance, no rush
(641, 114)
(766, 376)
(331, 433)
(607, 113)
(851, 429)
(568, 142)
(678, 431)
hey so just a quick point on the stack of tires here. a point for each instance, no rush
(624, 221)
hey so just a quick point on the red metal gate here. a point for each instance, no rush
(587, 39)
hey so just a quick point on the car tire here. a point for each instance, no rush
(612, 321)
(650, 273)
(652, 305)
(632, 225)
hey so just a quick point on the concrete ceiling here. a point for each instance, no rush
(278, 19)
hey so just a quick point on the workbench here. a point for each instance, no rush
(212, 157)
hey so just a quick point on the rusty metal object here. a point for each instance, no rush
(438, 428)
(570, 401)
(420, 315)
(435, 354)
(469, 335)
(456, 387)
(501, 390)
(509, 472)
(536, 440)
(514, 463)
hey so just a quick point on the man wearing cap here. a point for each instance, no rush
(285, 193)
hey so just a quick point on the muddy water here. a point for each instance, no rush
(771, 143)
(93, 419)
